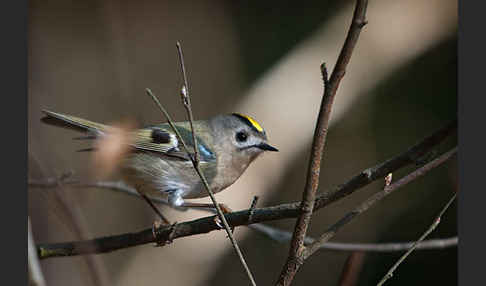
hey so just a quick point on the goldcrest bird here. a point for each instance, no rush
(158, 165)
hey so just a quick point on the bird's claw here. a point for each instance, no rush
(225, 210)
(156, 228)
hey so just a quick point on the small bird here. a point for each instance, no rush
(157, 164)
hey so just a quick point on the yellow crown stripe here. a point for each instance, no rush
(253, 123)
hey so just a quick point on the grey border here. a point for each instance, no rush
(472, 196)
(13, 27)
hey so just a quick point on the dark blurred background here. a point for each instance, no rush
(94, 59)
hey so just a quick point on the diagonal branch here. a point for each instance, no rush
(186, 101)
(283, 236)
(283, 211)
(411, 156)
(297, 247)
(313, 247)
(159, 234)
(195, 162)
(435, 223)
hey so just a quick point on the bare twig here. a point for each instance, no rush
(211, 195)
(283, 211)
(313, 247)
(35, 273)
(186, 100)
(195, 161)
(116, 186)
(283, 236)
(432, 227)
(297, 248)
(169, 120)
(411, 156)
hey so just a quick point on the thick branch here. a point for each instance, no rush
(283, 211)
(297, 247)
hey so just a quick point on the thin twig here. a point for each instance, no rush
(117, 186)
(432, 227)
(297, 248)
(211, 195)
(411, 156)
(186, 100)
(313, 247)
(283, 236)
(195, 162)
(282, 211)
(169, 120)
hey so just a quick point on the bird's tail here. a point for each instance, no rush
(73, 122)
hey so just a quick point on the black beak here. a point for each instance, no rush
(266, 147)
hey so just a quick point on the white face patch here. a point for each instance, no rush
(246, 141)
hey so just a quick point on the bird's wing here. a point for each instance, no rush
(162, 139)
(154, 139)
(72, 122)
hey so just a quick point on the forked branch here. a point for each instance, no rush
(367, 204)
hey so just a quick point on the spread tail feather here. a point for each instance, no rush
(72, 122)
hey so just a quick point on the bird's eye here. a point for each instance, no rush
(241, 136)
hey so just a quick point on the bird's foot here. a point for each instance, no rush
(225, 210)
(157, 227)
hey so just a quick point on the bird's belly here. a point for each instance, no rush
(220, 182)
(155, 176)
